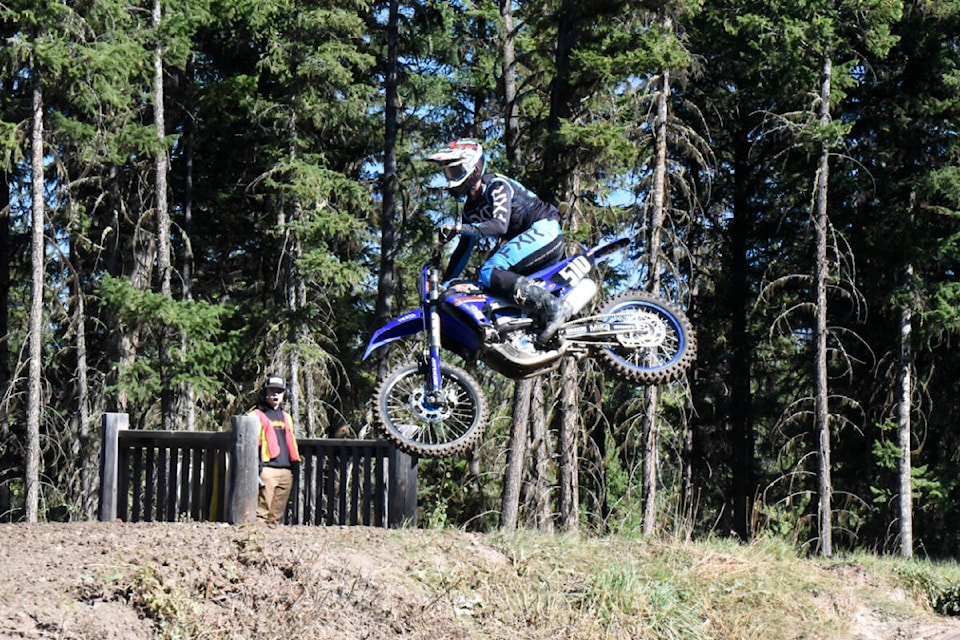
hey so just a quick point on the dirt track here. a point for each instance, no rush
(132, 581)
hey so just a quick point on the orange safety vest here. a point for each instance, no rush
(269, 445)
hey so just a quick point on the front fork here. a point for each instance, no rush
(431, 320)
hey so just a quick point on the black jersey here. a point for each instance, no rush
(504, 208)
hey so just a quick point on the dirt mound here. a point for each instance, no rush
(205, 580)
(93, 580)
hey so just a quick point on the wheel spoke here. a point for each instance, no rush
(428, 424)
(652, 341)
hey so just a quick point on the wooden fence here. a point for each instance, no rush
(168, 476)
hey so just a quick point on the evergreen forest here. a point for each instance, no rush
(200, 192)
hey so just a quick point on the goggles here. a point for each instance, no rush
(454, 172)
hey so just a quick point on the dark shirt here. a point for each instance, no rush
(275, 416)
(504, 208)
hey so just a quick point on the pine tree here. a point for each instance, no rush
(909, 228)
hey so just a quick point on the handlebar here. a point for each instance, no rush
(441, 243)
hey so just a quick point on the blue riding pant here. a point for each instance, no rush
(535, 248)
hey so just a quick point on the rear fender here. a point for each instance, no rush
(607, 248)
(570, 271)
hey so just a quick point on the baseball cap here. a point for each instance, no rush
(275, 382)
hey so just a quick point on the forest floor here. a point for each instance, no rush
(204, 580)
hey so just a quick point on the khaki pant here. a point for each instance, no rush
(273, 495)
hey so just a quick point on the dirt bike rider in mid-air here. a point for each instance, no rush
(527, 228)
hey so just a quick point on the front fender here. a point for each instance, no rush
(408, 324)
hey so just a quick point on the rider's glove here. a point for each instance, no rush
(449, 230)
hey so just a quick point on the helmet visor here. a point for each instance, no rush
(454, 172)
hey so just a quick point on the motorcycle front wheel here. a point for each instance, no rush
(430, 425)
(660, 345)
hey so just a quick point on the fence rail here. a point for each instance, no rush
(168, 476)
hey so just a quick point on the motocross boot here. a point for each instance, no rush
(552, 312)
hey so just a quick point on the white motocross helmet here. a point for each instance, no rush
(461, 164)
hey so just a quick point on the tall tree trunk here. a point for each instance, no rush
(904, 439)
(133, 238)
(569, 463)
(292, 300)
(84, 447)
(571, 416)
(305, 386)
(38, 268)
(112, 242)
(162, 216)
(187, 397)
(741, 398)
(554, 170)
(115, 218)
(294, 297)
(821, 409)
(295, 401)
(295, 291)
(688, 459)
(511, 115)
(386, 279)
(142, 247)
(659, 190)
(189, 153)
(651, 429)
(651, 459)
(540, 446)
(162, 163)
(561, 185)
(312, 425)
(516, 454)
(6, 460)
(88, 462)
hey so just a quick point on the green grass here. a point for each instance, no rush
(616, 587)
(440, 584)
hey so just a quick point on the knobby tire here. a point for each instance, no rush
(660, 355)
(407, 419)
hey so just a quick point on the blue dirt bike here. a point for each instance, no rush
(432, 408)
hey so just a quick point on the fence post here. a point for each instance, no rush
(244, 471)
(402, 490)
(109, 455)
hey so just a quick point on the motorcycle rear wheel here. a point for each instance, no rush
(428, 427)
(660, 351)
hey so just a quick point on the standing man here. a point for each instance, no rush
(278, 451)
